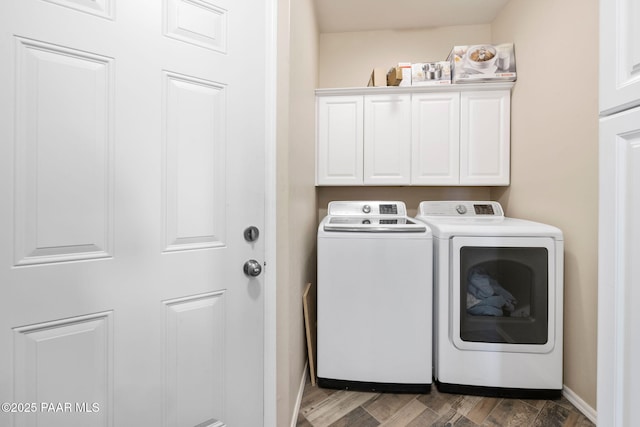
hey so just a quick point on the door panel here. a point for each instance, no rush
(340, 140)
(194, 163)
(103, 8)
(64, 367)
(435, 139)
(133, 158)
(201, 23)
(619, 55)
(64, 205)
(485, 137)
(387, 139)
(194, 357)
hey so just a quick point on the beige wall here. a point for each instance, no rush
(346, 59)
(554, 138)
(296, 204)
(554, 154)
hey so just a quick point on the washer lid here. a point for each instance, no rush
(374, 224)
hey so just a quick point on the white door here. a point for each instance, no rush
(485, 137)
(618, 270)
(435, 138)
(387, 139)
(339, 140)
(131, 161)
(619, 223)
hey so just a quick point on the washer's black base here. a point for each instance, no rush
(375, 387)
(517, 393)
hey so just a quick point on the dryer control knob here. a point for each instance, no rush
(461, 209)
(366, 209)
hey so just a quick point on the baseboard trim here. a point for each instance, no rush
(580, 404)
(296, 409)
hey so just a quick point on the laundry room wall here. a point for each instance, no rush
(296, 193)
(554, 155)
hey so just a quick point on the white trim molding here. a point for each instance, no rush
(270, 312)
(580, 404)
(303, 382)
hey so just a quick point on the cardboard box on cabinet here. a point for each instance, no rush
(400, 75)
(483, 63)
(431, 73)
(394, 76)
(378, 77)
(406, 73)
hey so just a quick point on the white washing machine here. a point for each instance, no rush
(498, 301)
(374, 309)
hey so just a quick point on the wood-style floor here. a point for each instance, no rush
(339, 408)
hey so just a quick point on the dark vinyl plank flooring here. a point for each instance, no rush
(340, 408)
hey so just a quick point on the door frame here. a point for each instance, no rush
(269, 284)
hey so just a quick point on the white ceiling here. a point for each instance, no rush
(368, 15)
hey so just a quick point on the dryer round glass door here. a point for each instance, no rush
(503, 294)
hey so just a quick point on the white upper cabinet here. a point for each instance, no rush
(453, 135)
(619, 55)
(387, 139)
(435, 136)
(485, 137)
(339, 140)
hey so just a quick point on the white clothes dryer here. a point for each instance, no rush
(374, 313)
(498, 301)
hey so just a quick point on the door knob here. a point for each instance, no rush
(252, 268)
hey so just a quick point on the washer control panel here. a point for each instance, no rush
(465, 209)
(366, 208)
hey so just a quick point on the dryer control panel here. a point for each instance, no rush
(461, 208)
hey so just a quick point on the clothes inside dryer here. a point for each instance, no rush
(504, 295)
(504, 298)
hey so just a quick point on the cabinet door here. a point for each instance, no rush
(435, 138)
(387, 139)
(339, 140)
(619, 55)
(485, 137)
(619, 271)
